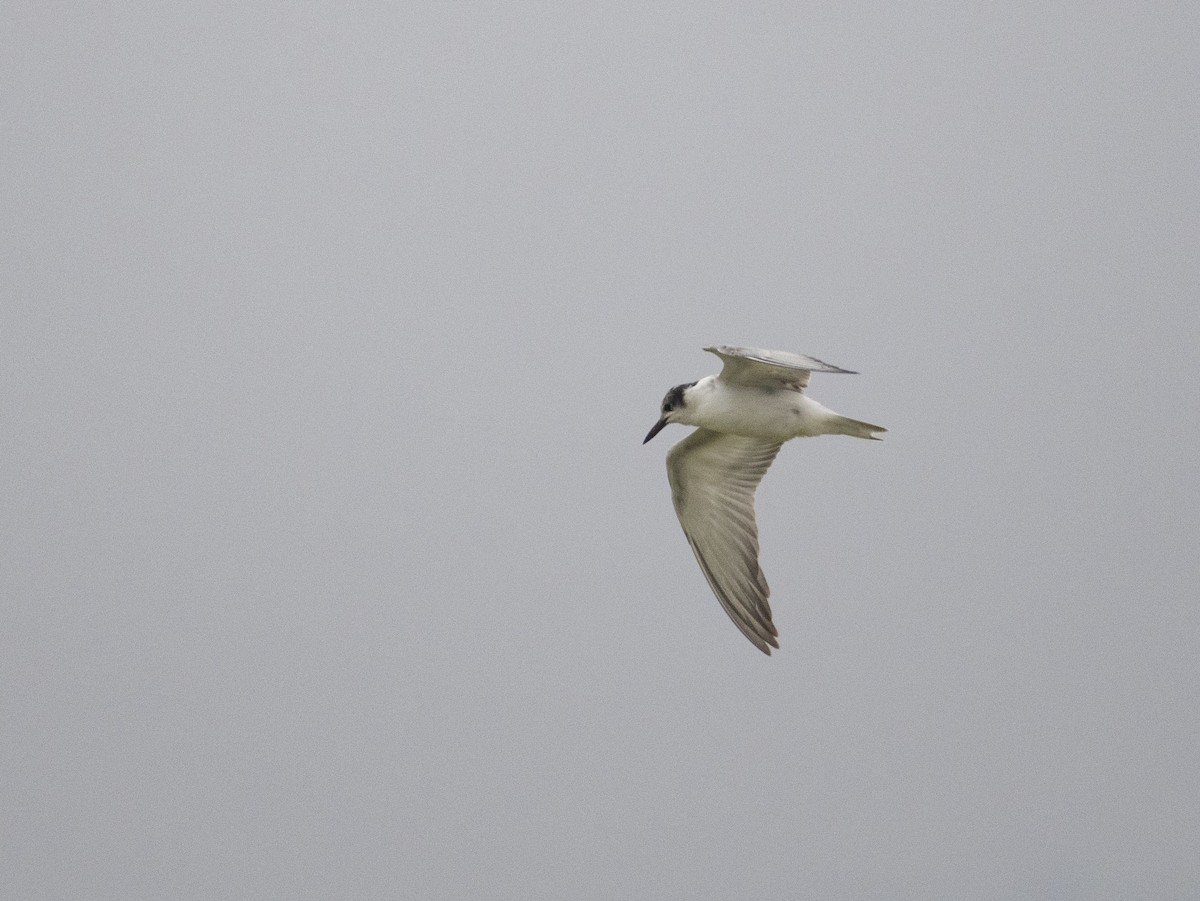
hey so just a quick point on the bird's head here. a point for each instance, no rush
(674, 407)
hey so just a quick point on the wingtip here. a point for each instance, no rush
(764, 643)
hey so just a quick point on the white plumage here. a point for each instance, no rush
(743, 416)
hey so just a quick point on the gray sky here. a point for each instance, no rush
(332, 564)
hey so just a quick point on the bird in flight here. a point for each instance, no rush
(743, 416)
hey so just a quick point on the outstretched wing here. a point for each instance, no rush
(769, 368)
(713, 476)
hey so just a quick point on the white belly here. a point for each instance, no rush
(757, 413)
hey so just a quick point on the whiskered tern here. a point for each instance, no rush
(743, 416)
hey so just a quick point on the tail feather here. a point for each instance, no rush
(844, 425)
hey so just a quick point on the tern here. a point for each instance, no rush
(743, 416)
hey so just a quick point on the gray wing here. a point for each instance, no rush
(769, 368)
(713, 476)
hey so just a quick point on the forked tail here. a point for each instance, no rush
(844, 425)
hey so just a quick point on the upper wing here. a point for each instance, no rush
(769, 368)
(713, 477)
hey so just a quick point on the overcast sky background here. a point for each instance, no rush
(332, 564)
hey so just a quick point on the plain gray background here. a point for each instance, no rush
(333, 564)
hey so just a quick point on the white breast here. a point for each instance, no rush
(756, 412)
